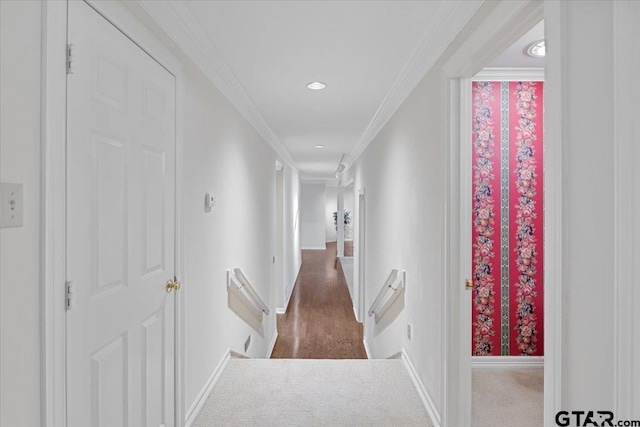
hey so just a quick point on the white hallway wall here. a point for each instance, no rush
(312, 208)
(224, 155)
(292, 245)
(596, 126)
(402, 173)
(331, 206)
(20, 247)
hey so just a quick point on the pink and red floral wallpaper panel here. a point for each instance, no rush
(507, 219)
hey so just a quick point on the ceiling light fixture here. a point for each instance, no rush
(536, 49)
(319, 146)
(316, 85)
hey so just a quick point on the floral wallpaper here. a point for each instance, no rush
(507, 219)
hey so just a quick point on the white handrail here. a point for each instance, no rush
(254, 295)
(241, 287)
(388, 294)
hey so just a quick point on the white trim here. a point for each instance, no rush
(355, 312)
(53, 213)
(626, 56)
(330, 182)
(202, 397)
(346, 181)
(180, 297)
(286, 306)
(295, 281)
(178, 22)
(450, 18)
(272, 345)
(123, 20)
(456, 376)
(238, 355)
(314, 248)
(554, 163)
(358, 279)
(53, 220)
(366, 348)
(510, 74)
(507, 361)
(503, 24)
(422, 391)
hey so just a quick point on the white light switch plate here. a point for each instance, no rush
(10, 205)
(210, 202)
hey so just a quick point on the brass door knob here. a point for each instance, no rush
(172, 285)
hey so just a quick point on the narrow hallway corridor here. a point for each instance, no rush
(319, 322)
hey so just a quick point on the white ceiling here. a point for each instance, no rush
(515, 56)
(261, 54)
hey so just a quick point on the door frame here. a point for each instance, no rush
(502, 25)
(362, 236)
(53, 198)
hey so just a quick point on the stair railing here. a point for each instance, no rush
(241, 287)
(390, 291)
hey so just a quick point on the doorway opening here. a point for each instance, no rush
(503, 140)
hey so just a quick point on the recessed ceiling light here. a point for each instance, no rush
(536, 49)
(319, 146)
(316, 85)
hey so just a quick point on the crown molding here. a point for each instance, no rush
(319, 180)
(510, 74)
(182, 27)
(450, 18)
(497, 31)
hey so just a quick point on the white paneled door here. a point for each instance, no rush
(120, 229)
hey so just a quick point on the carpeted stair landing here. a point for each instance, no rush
(303, 392)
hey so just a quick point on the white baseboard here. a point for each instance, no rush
(237, 355)
(355, 313)
(196, 407)
(286, 305)
(366, 348)
(272, 345)
(422, 391)
(507, 361)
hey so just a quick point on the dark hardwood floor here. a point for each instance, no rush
(319, 322)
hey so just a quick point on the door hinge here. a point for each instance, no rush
(71, 52)
(69, 295)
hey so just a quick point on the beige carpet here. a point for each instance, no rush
(289, 392)
(507, 397)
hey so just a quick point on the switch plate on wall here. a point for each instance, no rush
(11, 205)
(210, 201)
